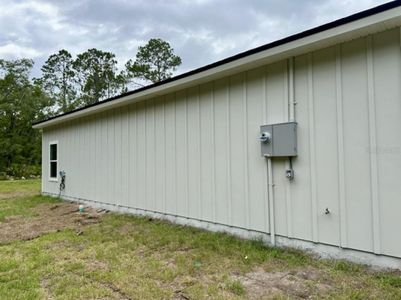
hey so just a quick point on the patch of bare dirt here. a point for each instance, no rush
(94, 265)
(49, 218)
(126, 228)
(179, 294)
(300, 284)
(44, 284)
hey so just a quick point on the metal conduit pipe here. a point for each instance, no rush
(270, 185)
(291, 91)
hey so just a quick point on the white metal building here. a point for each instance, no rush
(187, 149)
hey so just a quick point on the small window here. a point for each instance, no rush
(53, 161)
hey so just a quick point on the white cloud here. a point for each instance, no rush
(201, 31)
(13, 51)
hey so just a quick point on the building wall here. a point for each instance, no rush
(196, 154)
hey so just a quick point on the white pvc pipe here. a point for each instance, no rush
(271, 201)
(291, 90)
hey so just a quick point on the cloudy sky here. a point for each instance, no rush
(201, 31)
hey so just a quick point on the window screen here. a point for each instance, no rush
(53, 161)
(53, 152)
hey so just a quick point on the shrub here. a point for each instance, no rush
(21, 170)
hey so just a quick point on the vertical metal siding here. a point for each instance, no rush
(194, 161)
(206, 150)
(340, 149)
(256, 166)
(324, 102)
(358, 206)
(387, 107)
(304, 183)
(221, 163)
(195, 153)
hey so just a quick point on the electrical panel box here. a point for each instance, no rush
(279, 140)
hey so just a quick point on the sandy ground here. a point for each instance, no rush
(48, 218)
(260, 284)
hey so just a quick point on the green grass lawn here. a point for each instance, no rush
(18, 188)
(18, 197)
(127, 257)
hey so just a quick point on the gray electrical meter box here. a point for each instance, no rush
(279, 140)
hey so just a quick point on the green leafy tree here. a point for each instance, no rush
(154, 62)
(21, 103)
(97, 76)
(59, 80)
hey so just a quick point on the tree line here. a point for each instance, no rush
(66, 83)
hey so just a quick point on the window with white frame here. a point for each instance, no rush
(53, 160)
